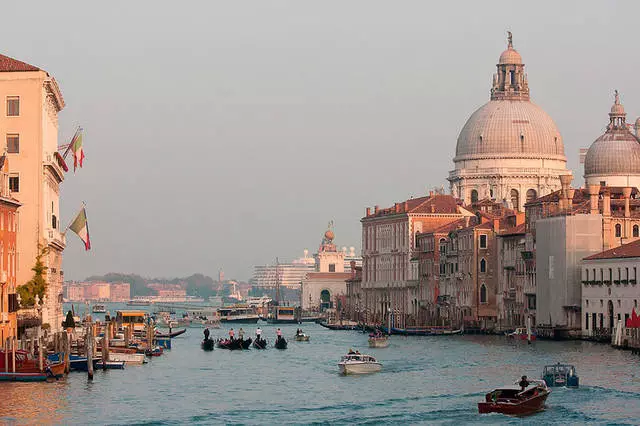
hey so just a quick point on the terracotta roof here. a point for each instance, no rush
(445, 229)
(8, 64)
(516, 230)
(436, 204)
(626, 250)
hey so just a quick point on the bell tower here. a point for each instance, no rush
(510, 81)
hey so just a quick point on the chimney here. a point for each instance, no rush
(368, 211)
(594, 191)
(571, 193)
(626, 192)
(406, 206)
(606, 203)
(565, 181)
(376, 209)
(397, 206)
(496, 225)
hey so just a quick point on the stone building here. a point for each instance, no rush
(354, 303)
(610, 290)
(509, 150)
(388, 245)
(322, 288)
(513, 280)
(614, 158)
(32, 100)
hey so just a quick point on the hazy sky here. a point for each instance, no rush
(224, 134)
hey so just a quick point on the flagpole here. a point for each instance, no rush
(70, 145)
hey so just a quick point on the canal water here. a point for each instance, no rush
(425, 380)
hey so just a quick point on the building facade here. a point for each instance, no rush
(31, 101)
(8, 242)
(509, 150)
(610, 290)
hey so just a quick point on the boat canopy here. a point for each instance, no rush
(358, 357)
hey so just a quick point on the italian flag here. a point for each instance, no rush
(78, 152)
(81, 228)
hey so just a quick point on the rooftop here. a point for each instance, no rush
(624, 251)
(8, 64)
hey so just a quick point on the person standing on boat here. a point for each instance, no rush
(524, 383)
(206, 333)
(258, 333)
(231, 334)
(241, 334)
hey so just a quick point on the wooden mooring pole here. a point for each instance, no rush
(40, 349)
(89, 346)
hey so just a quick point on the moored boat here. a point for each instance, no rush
(171, 334)
(23, 377)
(98, 309)
(426, 331)
(358, 364)
(521, 334)
(516, 401)
(560, 375)
(157, 351)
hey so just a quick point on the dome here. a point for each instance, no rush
(329, 235)
(509, 129)
(617, 152)
(510, 56)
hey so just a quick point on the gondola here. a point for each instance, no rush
(280, 343)
(235, 344)
(171, 334)
(207, 344)
(246, 343)
(260, 344)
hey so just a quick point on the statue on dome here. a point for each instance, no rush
(510, 38)
(617, 97)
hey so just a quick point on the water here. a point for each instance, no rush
(425, 380)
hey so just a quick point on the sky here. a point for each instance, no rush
(226, 134)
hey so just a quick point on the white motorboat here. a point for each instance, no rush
(359, 364)
(129, 359)
(378, 341)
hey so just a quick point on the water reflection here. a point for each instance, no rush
(34, 403)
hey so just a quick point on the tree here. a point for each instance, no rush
(36, 286)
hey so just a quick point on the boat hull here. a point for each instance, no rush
(523, 408)
(359, 368)
(424, 332)
(172, 334)
(377, 342)
(207, 345)
(302, 338)
(280, 344)
(23, 377)
(249, 320)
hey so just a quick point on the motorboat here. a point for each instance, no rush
(516, 401)
(241, 314)
(127, 358)
(98, 309)
(560, 375)
(378, 340)
(358, 364)
(521, 334)
(301, 337)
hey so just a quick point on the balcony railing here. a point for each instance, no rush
(57, 237)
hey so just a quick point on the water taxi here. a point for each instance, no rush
(561, 375)
(98, 309)
(358, 364)
(283, 315)
(516, 401)
(238, 314)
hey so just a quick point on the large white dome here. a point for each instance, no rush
(509, 129)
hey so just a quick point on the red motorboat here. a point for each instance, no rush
(514, 401)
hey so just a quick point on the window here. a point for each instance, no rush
(618, 230)
(483, 265)
(14, 184)
(483, 241)
(13, 144)
(601, 320)
(483, 294)
(515, 199)
(603, 183)
(13, 106)
(474, 196)
(586, 321)
(531, 195)
(587, 303)
(54, 225)
(636, 231)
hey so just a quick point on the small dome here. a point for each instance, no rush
(617, 109)
(510, 56)
(329, 235)
(615, 153)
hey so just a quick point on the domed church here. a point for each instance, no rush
(614, 158)
(509, 150)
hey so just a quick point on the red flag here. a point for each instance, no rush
(635, 319)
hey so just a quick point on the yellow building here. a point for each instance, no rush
(30, 101)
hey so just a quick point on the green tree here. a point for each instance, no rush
(36, 286)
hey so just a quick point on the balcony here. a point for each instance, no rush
(57, 238)
(55, 165)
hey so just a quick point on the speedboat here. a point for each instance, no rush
(358, 364)
(513, 400)
(378, 340)
(521, 334)
(561, 375)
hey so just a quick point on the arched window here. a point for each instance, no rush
(515, 199)
(618, 230)
(483, 265)
(531, 195)
(636, 232)
(474, 196)
(483, 293)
